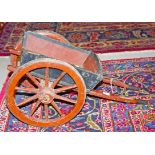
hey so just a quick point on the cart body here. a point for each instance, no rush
(36, 46)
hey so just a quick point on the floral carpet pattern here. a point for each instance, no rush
(102, 115)
(97, 37)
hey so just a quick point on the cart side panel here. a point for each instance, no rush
(40, 44)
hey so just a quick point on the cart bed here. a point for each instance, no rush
(37, 46)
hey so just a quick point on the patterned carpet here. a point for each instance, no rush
(102, 115)
(98, 37)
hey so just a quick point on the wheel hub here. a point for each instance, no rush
(46, 95)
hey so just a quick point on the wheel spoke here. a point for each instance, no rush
(64, 99)
(34, 108)
(56, 108)
(27, 100)
(46, 111)
(64, 88)
(58, 79)
(33, 79)
(41, 111)
(29, 90)
(27, 82)
(46, 76)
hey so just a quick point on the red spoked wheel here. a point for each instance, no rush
(43, 101)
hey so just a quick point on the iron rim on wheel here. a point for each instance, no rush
(45, 94)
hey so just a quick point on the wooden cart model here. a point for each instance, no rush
(54, 77)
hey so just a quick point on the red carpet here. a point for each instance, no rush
(98, 37)
(10, 35)
(108, 115)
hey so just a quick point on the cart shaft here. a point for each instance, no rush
(101, 94)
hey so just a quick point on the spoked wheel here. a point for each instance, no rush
(53, 94)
